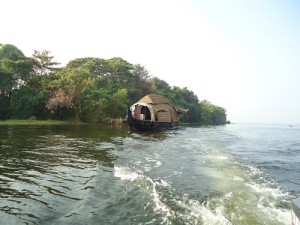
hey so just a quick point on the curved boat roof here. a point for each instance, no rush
(155, 99)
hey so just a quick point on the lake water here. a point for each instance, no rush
(233, 174)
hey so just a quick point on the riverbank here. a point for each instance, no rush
(38, 122)
(16, 122)
(111, 122)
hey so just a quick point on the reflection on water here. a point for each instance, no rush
(99, 175)
(44, 171)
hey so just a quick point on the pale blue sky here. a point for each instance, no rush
(241, 55)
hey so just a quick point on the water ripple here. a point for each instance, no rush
(200, 175)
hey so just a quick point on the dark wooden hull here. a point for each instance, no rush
(148, 125)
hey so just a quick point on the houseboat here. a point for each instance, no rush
(153, 112)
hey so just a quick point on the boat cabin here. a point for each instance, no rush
(153, 112)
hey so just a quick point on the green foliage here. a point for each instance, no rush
(19, 70)
(161, 87)
(69, 91)
(15, 71)
(10, 52)
(27, 103)
(118, 104)
(43, 63)
(123, 75)
(140, 84)
(188, 100)
(88, 89)
(4, 107)
(97, 67)
(5, 82)
(109, 86)
(181, 97)
(211, 114)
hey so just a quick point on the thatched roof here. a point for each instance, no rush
(158, 100)
(154, 99)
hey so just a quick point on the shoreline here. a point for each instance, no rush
(18, 122)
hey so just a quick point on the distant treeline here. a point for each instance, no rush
(86, 89)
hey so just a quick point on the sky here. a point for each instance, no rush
(241, 55)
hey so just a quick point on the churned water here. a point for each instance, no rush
(233, 174)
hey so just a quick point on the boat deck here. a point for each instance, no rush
(296, 211)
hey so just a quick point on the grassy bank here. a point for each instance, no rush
(39, 122)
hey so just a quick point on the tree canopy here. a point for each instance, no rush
(87, 89)
(11, 52)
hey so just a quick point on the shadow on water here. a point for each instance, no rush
(22, 141)
(155, 135)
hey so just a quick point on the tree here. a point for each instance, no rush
(90, 89)
(75, 91)
(161, 87)
(15, 65)
(43, 63)
(140, 84)
(15, 71)
(120, 74)
(211, 114)
(186, 99)
(96, 66)
(4, 93)
(60, 98)
(219, 116)
(28, 103)
(10, 52)
(118, 104)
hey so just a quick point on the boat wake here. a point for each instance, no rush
(246, 196)
(177, 209)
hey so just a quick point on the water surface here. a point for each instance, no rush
(234, 174)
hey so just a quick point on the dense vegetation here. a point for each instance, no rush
(86, 89)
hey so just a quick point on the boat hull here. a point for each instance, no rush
(148, 125)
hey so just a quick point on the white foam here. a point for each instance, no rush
(196, 213)
(222, 157)
(158, 163)
(269, 208)
(238, 178)
(125, 174)
(255, 171)
(269, 194)
(161, 182)
(266, 190)
(159, 207)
